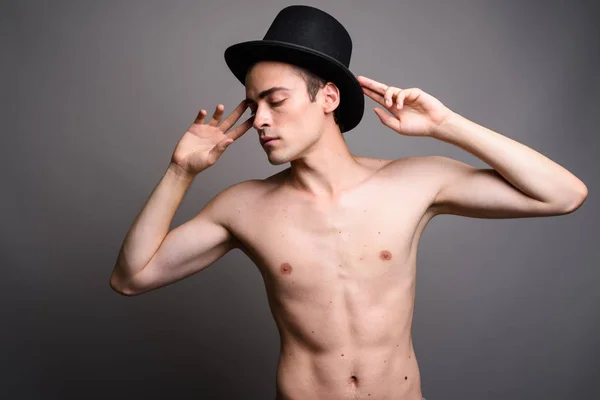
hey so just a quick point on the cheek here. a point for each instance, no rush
(305, 116)
(299, 121)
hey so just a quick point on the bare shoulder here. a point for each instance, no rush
(421, 176)
(418, 162)
(434, 170)
(238, 196)
(407, 166)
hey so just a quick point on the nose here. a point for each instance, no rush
(262, 119)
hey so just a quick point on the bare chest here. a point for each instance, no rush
(368, 236)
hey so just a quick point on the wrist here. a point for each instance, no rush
(448, 128)
(179, 173)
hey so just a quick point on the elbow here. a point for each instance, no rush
(119, 285)
(576, 200)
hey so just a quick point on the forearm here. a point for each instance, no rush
(152, 223)
(529, 171)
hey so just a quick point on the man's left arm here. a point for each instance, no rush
(521, 182)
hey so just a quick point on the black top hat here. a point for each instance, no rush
(312, 39)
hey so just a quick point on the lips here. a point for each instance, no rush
(266, 140)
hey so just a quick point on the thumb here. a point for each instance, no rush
(387, 119)
(216, 151)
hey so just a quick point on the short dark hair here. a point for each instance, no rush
(313, 84)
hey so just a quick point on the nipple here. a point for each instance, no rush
(286, 268)
(385, 255)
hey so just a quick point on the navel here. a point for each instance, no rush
(286, 268)
(385, 255)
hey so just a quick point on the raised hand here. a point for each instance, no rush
(202, 144)
(413, 111)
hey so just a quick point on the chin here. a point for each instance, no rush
(277, 160)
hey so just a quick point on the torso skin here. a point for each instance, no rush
(340, 280)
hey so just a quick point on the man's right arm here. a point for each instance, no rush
(151, 256)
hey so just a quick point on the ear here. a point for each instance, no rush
(331, 97)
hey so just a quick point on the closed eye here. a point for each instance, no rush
(272, 104)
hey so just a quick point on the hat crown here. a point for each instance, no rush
(310, 27)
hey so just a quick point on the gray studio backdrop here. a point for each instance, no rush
(95, 96)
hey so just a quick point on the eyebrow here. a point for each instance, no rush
(265, 93)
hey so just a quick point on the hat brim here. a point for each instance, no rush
(241, 56)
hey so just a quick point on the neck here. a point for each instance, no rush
(326, 168)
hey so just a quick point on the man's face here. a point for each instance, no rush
(279, 100)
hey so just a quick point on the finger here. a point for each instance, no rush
(200, 117)
(375, 96)
(234, 116)
(412, 95)
(398, 99)
(387, 119)
(389, 93)
(218, 150)
(375, 86)
(241, 129)
(216, 118)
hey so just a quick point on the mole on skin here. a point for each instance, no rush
(286, 268)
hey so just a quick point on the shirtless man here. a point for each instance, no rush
(335, 235)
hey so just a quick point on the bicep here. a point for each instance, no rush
(481, 193)
(186, 250)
